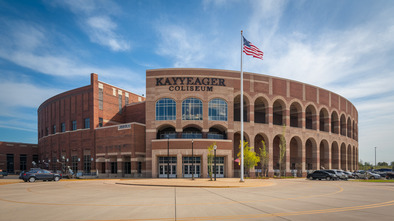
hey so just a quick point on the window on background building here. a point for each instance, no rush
(127, 167)
(192, 109)
(74, 164)
(35, 159)
(10, 163)
(114, 167)
(100, 122)
(63, 125)
(126, 99)
(139, 169)
(120, 103)
(165, 109)
(217, 110)
(22, 162)
(54, 129)
(87, 164)
(100, 98)
(87, 123)
(73, 125)
(47, 131)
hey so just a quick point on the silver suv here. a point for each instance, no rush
(361, 174)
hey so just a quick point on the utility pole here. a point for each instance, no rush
(375, 157)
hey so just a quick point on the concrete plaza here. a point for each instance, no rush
(184, 199)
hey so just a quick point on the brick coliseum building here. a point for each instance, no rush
(106, 129)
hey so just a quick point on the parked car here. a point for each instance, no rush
(382, 172)
(338, 173)
(321, 174)
(349, 174)
(390, 175)
(361, 174)
(40, 174)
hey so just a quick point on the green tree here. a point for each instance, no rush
(264, 159)
(250, 157)
(210, 159)
(282, 150)
(383, 164)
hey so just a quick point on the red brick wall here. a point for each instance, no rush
(17, 149)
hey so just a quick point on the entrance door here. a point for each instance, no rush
(10, 163)
(189, 167)
(163, 167)
(219, 167)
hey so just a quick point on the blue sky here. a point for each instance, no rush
(47, 47)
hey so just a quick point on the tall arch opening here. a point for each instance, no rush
(295, 115)
(310, 117)
(343, 125)
(237, 108)
(324, 155)
(335, 156)
(349, 158)
(343, 156)
(236, 150)
(257, 146)
(311, 154)
(296, 155)
(349, 128)
(324, 120)
(276, 156)
(260, 110)
(334, 123)
(279, 112)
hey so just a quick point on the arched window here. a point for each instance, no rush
(166, 109)
(217, 109)
(192, 109)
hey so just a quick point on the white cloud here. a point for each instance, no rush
(95, 19)
(184, 46)
(16, 94)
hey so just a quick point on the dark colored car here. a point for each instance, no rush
(40, 174)
(382, 172)
(389, 175)
(320, 175)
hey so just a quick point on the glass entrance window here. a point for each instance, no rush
(219, 167)
(189, 167)
(163, 167)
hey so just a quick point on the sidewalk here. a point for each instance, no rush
(181, 182)
(198, 182)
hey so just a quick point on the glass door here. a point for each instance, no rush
(189, 167)
(163, 167)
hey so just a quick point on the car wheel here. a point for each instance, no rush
(32, 179)
(311, 178)
(56, 178)
(355, 177)
(25, 180)
(328, 178)
(372, 178)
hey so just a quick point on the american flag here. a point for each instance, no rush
(250, 49)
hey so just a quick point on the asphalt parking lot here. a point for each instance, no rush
(227, 199)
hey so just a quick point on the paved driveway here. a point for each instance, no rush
(293, 199)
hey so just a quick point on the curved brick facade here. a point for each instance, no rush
(102, 133)
(321, 126)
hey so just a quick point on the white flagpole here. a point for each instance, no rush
(242, 115)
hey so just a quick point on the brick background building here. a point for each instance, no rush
(105, 129)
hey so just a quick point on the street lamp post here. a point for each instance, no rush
(375, 157)
(214, 160)
(192, 161)
(168, 156)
